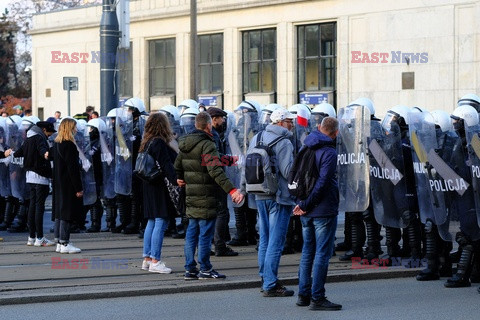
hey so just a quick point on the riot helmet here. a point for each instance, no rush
(462, 116)
(398, 115)
(136, 105)
(321, 111)
(186, 104)
(470, 99)
(362, 101)
(442, 120)
(187, 119)
(28, 122)
(171, 112)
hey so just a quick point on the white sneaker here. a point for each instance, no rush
(59, 247)
(146, 264)
(159, 267)
(69, 248)
(30, 241)
(44, 242)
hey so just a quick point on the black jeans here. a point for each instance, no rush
(222, 232)
(38, 195)
(62, 231)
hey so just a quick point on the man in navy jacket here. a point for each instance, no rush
(318, 214)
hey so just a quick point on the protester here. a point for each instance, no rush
(157, 206)
(275, 210)
(28, 113)
(95, 115)
(38, 173)
(68, 189)
(319, 219)
(58, 115)
(202, 183)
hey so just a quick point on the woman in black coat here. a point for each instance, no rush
(157, 205)
(67, 182)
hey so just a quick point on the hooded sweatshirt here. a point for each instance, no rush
(323, 200)
(33, 151)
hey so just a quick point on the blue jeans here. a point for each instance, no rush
(273, 225)
(199, 232)
(153, 238)
(318, 243)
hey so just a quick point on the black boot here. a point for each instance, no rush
(2, 209)
(96, 213)
(432, 254)
(124, 209)
(240, 239)
(374, 248)
(346, 245)
(135, 217)
(475, 275)
(358, 238)
(20, 224)
(10, 212)
(445, 269)
(393, 236)
(414, 237)
(111, 212)
(464, 268)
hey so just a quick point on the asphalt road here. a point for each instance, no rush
(379, 299)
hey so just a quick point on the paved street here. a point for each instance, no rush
(381, 299)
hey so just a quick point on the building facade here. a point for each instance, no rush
(284, 51)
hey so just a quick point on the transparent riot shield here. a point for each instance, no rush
(187, 124)
(238, 136)
(18, 182)
(4, 171)
(352, 160)
(431, 195)
(123, 152)
(457, 179)
(108, 159)
(473, 142)
(387, 183)
(82, 139)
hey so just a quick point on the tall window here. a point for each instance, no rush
(316, 57)
(259, 61)
(162, 67)
(125, 72)
(211, 63)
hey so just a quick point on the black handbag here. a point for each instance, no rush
(149, 170)
(146, 167)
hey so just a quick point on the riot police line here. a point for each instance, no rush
(414, 172)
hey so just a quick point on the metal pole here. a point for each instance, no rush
(193, 49)
(68, 98)
(109, 38)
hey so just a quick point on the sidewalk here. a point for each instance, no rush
(109, 266)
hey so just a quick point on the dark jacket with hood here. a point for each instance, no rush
(202, 180)
(33, 152)
(323, 200)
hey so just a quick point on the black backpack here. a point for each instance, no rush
(304, 174)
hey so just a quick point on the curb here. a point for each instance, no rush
(200, 287)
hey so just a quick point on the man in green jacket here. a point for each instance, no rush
(201, 179)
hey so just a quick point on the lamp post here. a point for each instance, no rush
(193, 49)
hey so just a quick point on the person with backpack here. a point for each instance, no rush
(317, 207)
(268, 162)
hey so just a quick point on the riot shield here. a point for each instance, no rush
(123, 152)
(431, 198)
(4, 172)
(473, 142)
(451, 164)
(82, 139)
(108, 159)
(18, 182)
(352, 160)
(387, 183)
(238, 136)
